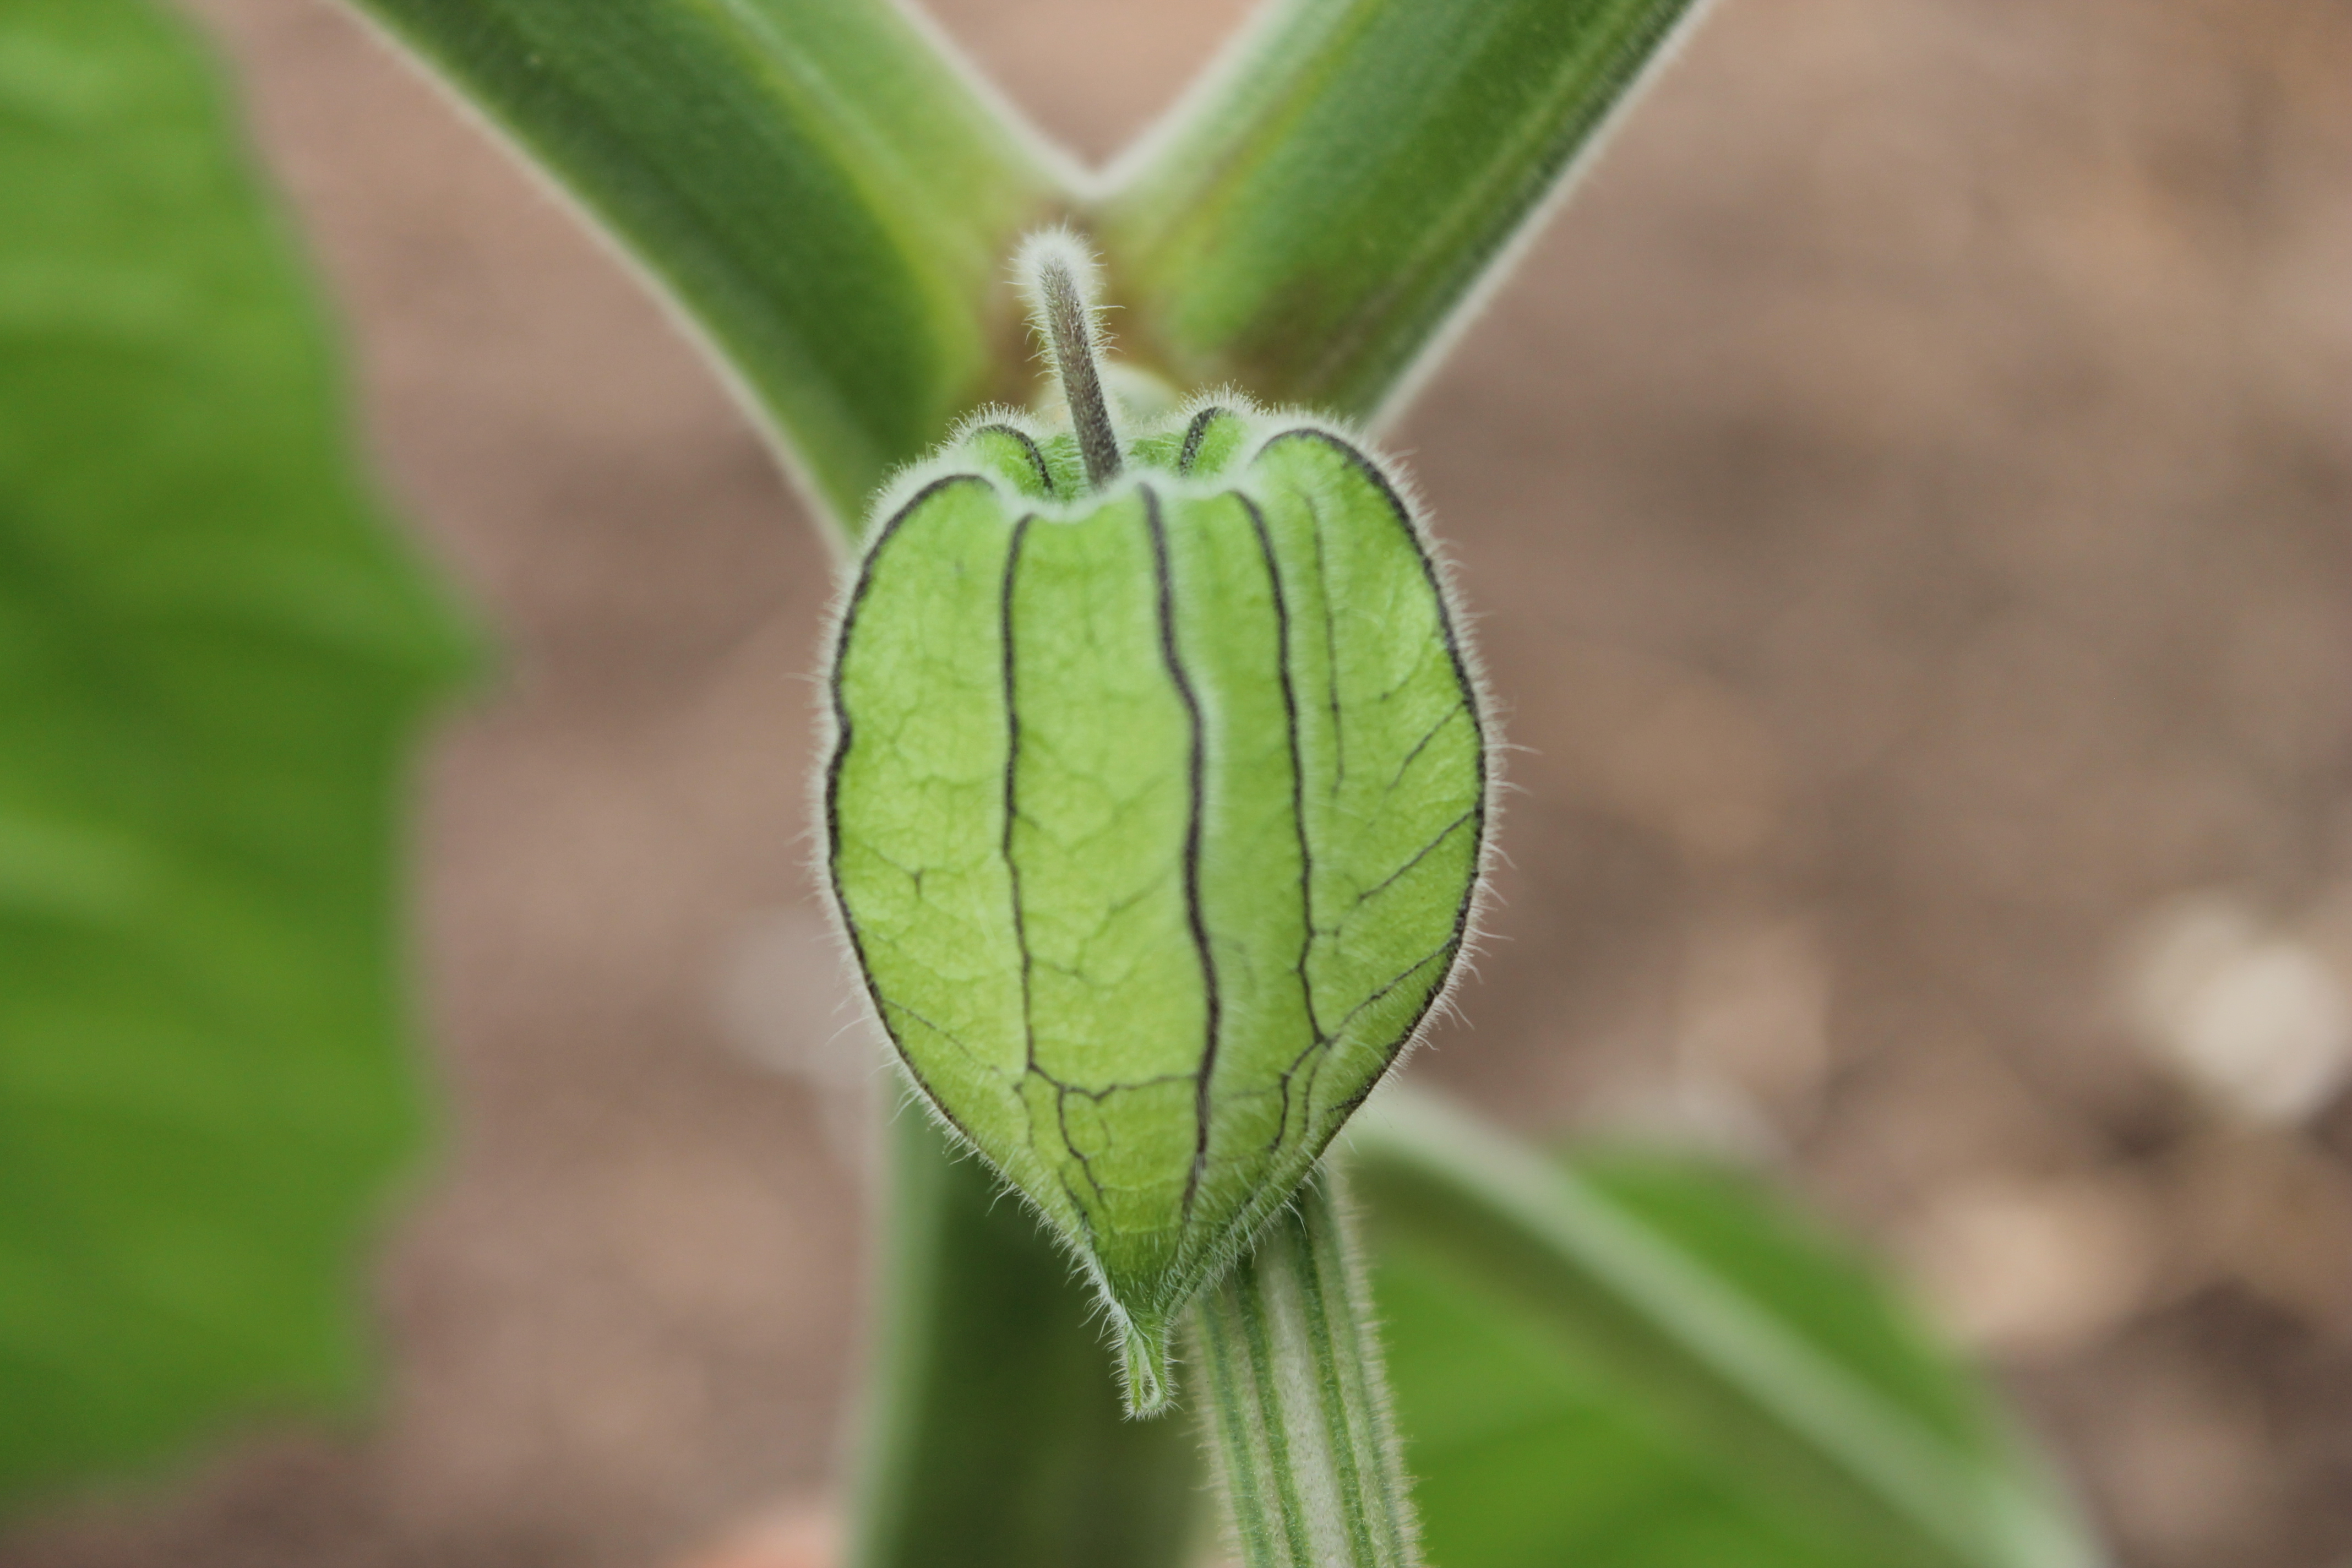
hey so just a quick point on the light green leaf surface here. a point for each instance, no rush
(827, 198)
(1311, 223)
(1653, 1365)
(1155, 815)
(212, 658)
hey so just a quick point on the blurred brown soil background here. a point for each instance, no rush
(1908, 502)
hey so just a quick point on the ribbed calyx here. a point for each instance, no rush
(1155, 813)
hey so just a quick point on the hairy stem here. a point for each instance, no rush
(1059, 276)
(1298, 1408)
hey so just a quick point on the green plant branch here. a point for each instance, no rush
(1296, 1409)
(831, 197)
(1315, 217)
(828, 196)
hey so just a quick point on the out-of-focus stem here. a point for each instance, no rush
(992, 1431)
(1312, 224)
(825, 194)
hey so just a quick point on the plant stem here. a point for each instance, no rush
(1311, 223)
(993, 1435)
(1058, 276)
(822, 190)
(1297, 1405)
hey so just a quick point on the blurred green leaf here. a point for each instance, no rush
(1652, 1363)
(213, 654)
(826, 195)
(1311, 223)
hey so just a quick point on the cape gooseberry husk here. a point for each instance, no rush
(1156, 809)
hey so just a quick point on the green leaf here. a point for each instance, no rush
(213, 654)
(830, 200)
(1315, 219)
(1645, 1363)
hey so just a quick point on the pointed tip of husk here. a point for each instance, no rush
(1147, 1375)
